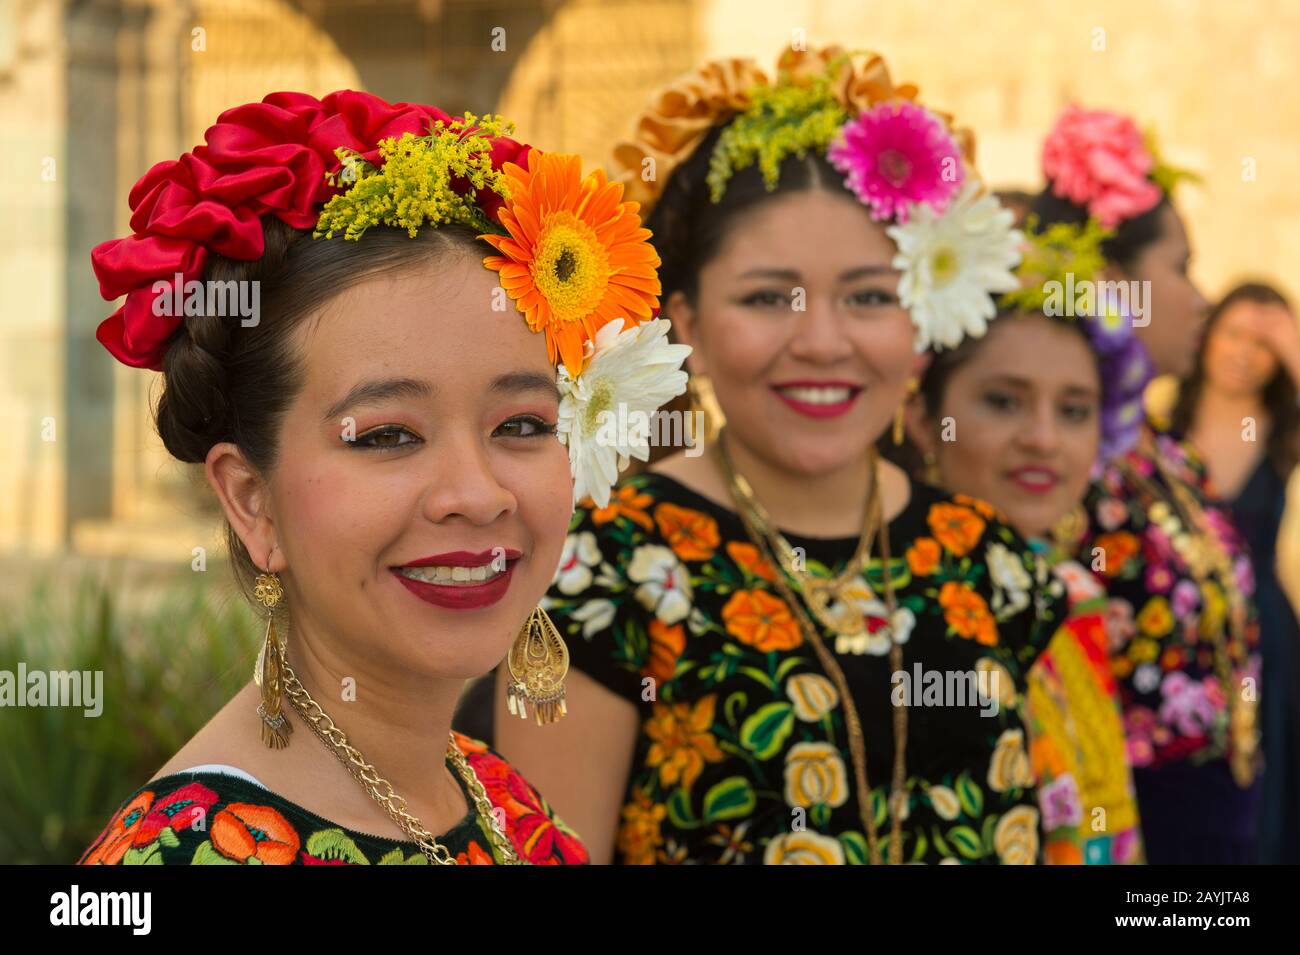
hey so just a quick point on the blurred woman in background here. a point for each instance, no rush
(1239, 408)
(1180, 619)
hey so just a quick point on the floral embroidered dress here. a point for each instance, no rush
(213, 818)
(1076, 734)
(1168, 622)
(742, 753)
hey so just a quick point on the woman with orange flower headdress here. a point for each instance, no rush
(786, 650)
(381, 435)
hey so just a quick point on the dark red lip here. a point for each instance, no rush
(460, 596)
(1049, 482)
(463, 558)
(818, 411)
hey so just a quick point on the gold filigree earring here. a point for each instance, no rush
(703, 400)
(269, 671)
(538, 662)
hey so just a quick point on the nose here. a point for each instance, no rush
(1041, 433)
(818, 334)
(462, 483)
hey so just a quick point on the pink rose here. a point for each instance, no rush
(1098, 159)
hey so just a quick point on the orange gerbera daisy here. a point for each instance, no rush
(576, 256)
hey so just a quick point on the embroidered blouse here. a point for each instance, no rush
(742, 753)
(210, 817)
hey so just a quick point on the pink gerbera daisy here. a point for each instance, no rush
(895, 155)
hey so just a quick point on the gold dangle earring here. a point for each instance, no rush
(913, 385)
(705, 402)
(269, 671)
(538, 662)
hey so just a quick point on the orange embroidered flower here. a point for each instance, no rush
(983, 508)
(627, 502)
(1045, 757)
(748, 559)
(693, 535)
(967, 613)
(923, 556)
(680, 741)
(244, 831)
(476, 855)
(1062, 852)
(955, 527)
(666, 645)
(761, 620)
(1117, 549)
(120, 831)
(639, 835)
(576, 256)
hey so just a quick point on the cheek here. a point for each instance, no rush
(543, 489)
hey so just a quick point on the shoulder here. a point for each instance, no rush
(537, 833)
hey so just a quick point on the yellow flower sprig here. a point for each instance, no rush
(412, 185)
(1162, 173)
(1050, 255)
(781, 121)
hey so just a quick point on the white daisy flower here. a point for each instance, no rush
(952, 263)
(605, 413)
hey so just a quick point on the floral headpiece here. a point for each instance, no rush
(907, 164)
(573, 255)
(1099, 160)
(1058, 260)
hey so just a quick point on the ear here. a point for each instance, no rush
(245, 499)
(920, 427)
(678, 310)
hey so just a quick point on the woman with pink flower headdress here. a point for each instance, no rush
(1187, 666)
(757, 624)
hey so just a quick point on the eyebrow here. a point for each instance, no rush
(384, 389)
(792, 275)
(1017, 382)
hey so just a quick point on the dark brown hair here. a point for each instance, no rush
(226, 382)
(1278, 397)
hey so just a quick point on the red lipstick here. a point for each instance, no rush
(817, 409)
(462, 595)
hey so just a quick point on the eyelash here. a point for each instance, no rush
(366, 440)
(1076, 413)
(763, 298)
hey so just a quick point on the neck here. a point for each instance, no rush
(398, 721)
(1217, 406)
(829, 504)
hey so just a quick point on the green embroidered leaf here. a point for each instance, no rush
(145, 855)
(878, 807)
(967, 841)
(918, 852)
(759, 675)
(169, 838)
(969, 795)
(206, 854)
(679, 810)
(333, 844)
(788, 665)
(733, 798)
(855, 847)
(821, 815)
(765, 731)
(990, 824)
(734, 701)
(939, 844)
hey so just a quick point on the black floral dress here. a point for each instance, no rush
(742, 754)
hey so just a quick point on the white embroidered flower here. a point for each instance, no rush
(861, 601)
(951, 263)
(1011, 581)
(665, 586)
(595, 616)
(605, 413)
(580, 554)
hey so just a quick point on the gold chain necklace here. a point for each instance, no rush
(1204, 555)
(382, 791)
(773, 545)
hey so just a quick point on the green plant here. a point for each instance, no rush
(170, 658)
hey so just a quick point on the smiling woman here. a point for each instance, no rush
(383, 443)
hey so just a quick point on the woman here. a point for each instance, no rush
(1239, 409)
(1180, 618)
(787, 651)
(381, 439)
(1027, 437)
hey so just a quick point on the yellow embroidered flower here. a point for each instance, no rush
(813, 696)
(1015, 838)
(639, 835)
(803, 848)
(944, 802)
(815, 774)
(1009, 768)
(1156, 619)
(681, 742)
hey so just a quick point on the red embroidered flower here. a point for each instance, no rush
(181, 809)
(535, 835)
(267, 158)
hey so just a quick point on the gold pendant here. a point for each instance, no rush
(837, 613)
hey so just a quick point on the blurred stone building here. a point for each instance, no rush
(93, 92)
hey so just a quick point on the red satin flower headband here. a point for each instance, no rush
(267, 158)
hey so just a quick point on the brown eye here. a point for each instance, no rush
(527, 426)
(387, 438)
